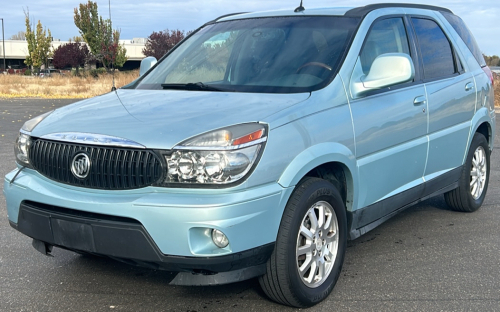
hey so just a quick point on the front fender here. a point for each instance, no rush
(318, 155)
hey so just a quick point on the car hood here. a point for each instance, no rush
(163, 118)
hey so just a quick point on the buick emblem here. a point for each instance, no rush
(80, 166)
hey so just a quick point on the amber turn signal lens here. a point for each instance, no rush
(249, 137)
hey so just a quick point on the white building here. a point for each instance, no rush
(17, 50)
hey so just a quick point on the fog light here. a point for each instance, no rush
(219, 238)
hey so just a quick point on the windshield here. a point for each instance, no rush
(271, 55)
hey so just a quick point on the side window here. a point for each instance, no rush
(435, 48)
(464, 33)
(385, 36)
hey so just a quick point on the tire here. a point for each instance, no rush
(326, 244)
(473, 183)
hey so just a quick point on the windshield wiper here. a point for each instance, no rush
(199, 86)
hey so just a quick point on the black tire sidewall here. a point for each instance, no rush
(474, 204)
(319, 190)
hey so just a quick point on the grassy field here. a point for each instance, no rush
(62, 86)
(70, 87)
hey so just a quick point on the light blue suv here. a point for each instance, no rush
(261, 144)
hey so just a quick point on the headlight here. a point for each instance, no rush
(23, 141)
(218, 157)
(21, 147)
(31, 124)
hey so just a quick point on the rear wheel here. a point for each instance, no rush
(473, 183)
(310, 246)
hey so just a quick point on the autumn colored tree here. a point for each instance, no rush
(39, 44)
(73, 54)
(159, 43)
(97, 32)
(113, 53)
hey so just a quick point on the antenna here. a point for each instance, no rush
(300, 8)
(113, 88)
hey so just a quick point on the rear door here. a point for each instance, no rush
(451, 96)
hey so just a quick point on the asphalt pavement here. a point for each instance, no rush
(427, 258)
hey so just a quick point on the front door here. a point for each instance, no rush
(390, 126)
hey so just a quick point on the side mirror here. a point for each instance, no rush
(146, 64)
(387, 70)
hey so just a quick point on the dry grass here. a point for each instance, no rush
(497, 91)
(62, 86)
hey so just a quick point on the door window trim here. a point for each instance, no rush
(413, 54)
(454, 55)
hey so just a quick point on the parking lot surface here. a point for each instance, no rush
(427, 258)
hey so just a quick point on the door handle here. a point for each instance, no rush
(419, 100)
(469, 86)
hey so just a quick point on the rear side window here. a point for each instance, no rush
(435, 49)
(464, 33)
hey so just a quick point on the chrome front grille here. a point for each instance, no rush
(112, 168)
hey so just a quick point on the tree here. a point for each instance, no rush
(30, 38)
(21, 35)
(76, 39)
(159, 43)
(113, 53)
(39, 44)
(493, 60)
(73, 54)
(87, 21)
(97, 32)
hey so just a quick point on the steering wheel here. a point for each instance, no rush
(323, 65)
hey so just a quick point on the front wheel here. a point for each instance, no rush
(310, 246)
(473, 183)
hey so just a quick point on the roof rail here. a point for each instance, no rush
(362, 11)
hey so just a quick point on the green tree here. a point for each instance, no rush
(97, 32)
(44, 44)
(30, 38)
(87, 20)
(121, 53)
(39, 44)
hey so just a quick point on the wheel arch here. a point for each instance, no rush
(330, 161)
(485, 129)
(482, 123)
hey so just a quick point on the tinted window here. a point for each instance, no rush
(435, 49)
(466, 36)
(385, 36)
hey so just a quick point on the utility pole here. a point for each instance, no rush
(3, 40)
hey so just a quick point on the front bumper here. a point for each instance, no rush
(162, 228)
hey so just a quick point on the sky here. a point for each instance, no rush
(138, 19)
